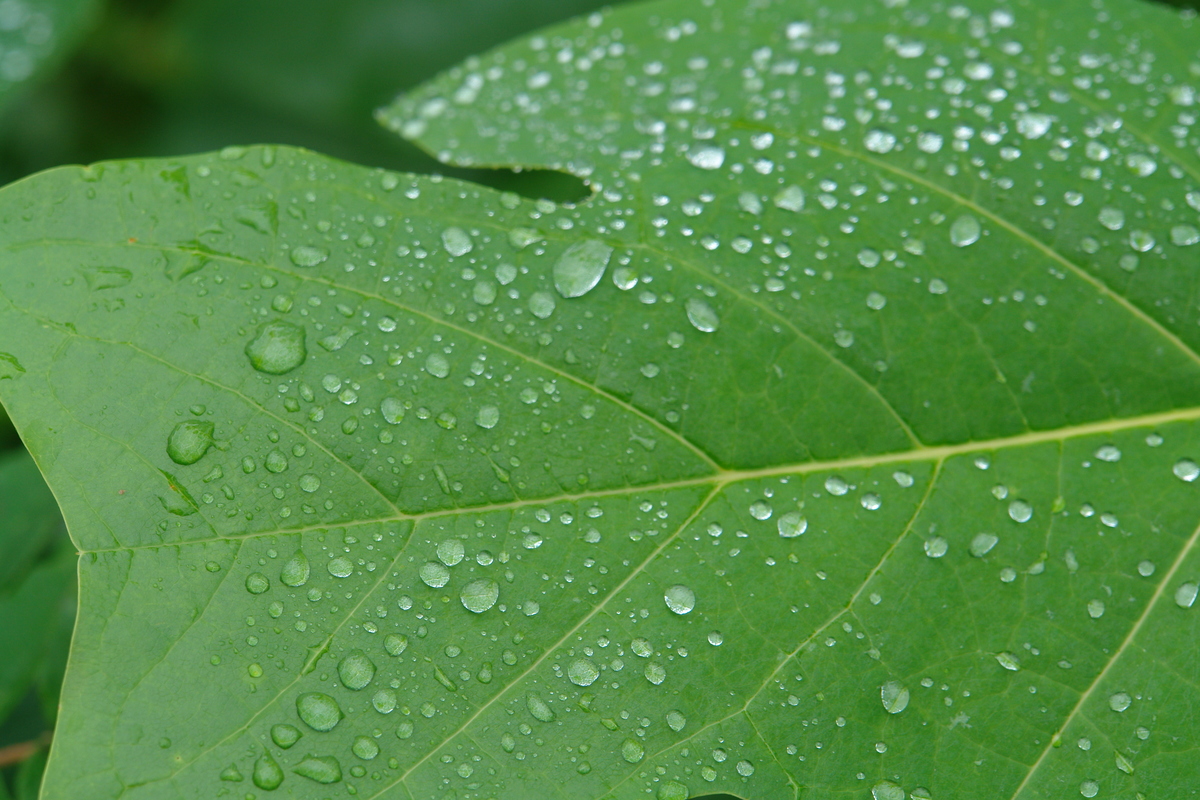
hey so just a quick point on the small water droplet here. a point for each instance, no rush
(761, 510)
(538, 708)
(886, 790)
(707, 157)
(437, 365)
(1020, 511)
(450, 551)
(1185, 595)
(542, 305)
(632, 751)
(395, 644)
(1120, 701)
(676, 721)
(284, 735)
(716, 638)
(267, 775)
(1089, 788)
(789, 198)
(965, 231)
(308, 256)
(341, 567)
(487, 417)
(1008, 661)
(982, 544)
(936, 547)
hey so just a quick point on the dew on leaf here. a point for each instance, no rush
(982, 544)
(392, 410)
(189, 441)
(701, 315)
(936, 547)
(395, 644)
(1186, 470)
(356, 670)
(680, 599)
(267, 775)
(761, 510)
(284, 735)
(434, 574)
(790, 198)
(632, 751)
(542, 305)
(295, 571)
(676, 721)
(1020, 511)
(965, 231)
(278, 348)
(341, 567)
(457, 241)
(480, 595)
(1185, 595)
(791, 525)
(1120, 701)
(365, 748)
(257, 583)
(308, 256)
(275, 462)
(581, 267)
(582, 672)
(894, 696)
(309, 483)
(887, 790)
(487, 417)
(437, 365)
(707, 157)
(318, 711)
(450, 551)
(538, 708)
(673, 790)
(1008, 661)
(322, 769)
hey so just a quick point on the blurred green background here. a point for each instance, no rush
(88, 80)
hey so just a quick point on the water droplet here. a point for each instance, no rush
(876, 301)
(341, 567)
(655, 673)
(284, 735)
(437, 365)
(680, 599)
(309, 483)
(936, 547)
(744, 768)
(965, 231)
(1186, 470)
(434, 574)
(707, 157)
(1020, 511)
(1185, 595)
(673, 790)
(318, 711)
(392, 410)
(450, 552)
(365, 748)
(1095, 609)
(641, 648)
(278, 348)
(1185, 235)
(541, 304)
(257, 583)
(232, 774)
(267, 773)
(322, 769)
(538, 707)
(457, 241)
(385, 701)
(894, 696)
(189, 441)
(308, 256)
(487, 417)
(632, 751)
(582, 672)
(761, 510)
(1008, 661)
(1089, 788)
(1033, 125)
(886, 790)
(1108, 453)
(395, 643)
(701, 315)
(480, 595)
(676, 721)
(790, 198)
(791, 525)
(1120, 701)
(836, 486)
(982, 544)
(356, 670)
(295, 571)
(903, 479)
(716, 638)
(581, 267)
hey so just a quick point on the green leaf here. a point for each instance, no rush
(862, 465)
(36, 34)
(35, 591)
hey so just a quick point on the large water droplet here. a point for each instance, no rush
(791, 525)
(1120, 701)
(965, 231)
(1020, 511)
(538, 707)
(437, 365)
(267, 773)
(1186, 470)
(434, 574)
(1185, 595)
(707, 157)
(886, 790)
(894, 696)
(395, 643)
(632, 751)
(581, 267)
(365, 748)
(457, 241)
(308, 256)
(295, 571)
(673, 790)
(319, 711)
(582, 672)
(356, 670)
(676, 721)
(701, 315)
(284, 735)
(487, 417)
(322, 769)
(450, 551)
(982, 544)
(257, 583)
(189, 441)
(480, 595)
(392, 410)
(278, 348)
(680, 599)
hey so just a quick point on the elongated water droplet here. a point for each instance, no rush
(319, 711)
(322, 769)
(1185, 595)
(982, 544)
(886, 790)
(1008, 661)
(707, 157)
(356, 670)
(538, 707)
(308, 256)
(189, 441)
(894, 696)
(680, 599)
(480, 595)
(581, 267)
(701, 315)
(965, 231)
(278, 348)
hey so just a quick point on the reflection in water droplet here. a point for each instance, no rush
(701, 315)
(189, 441)
(582, 672)
(894, 696)
(581, 267)
(319, 711)
(479, 595)
(278, 348)
(965, 231)
(792, 524)
(716, 638)
(356, 670)
(680, 599)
